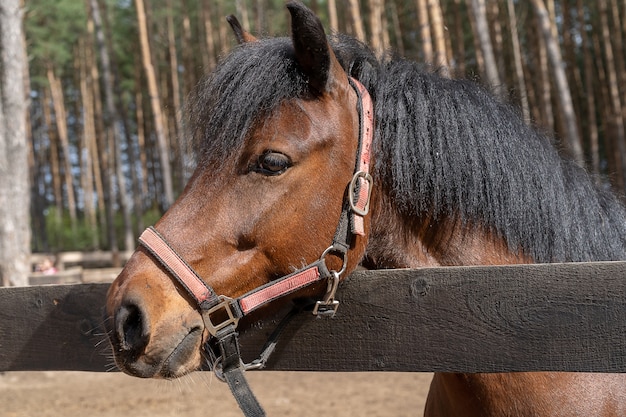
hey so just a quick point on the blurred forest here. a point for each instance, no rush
(107, 80)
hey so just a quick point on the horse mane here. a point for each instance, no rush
(444, 149)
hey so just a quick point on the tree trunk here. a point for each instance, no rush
(376, 27)
(189, 76)
(589, 92)
(545, 112)
(332, 16)
(175, 128)
(87, 143)
(209, 39)
(58, 102)
(114, 128)
(357, 23)
(617, 121)
(495, 22)
(572, 137)
(53, 154)
(141, 136)
(15, 233)
(397, 30)
(385, 26)
(424, 29)
(517, 57)
(439, 38)
(100, 160)
(618, 55)
(479, 10)
(574, 78)
(36, 212)
(155, 102)
(459, 34)
(478, 53)
(259, 17)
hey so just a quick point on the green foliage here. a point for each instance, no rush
(122, 23)
(52, 29)
(63, 237)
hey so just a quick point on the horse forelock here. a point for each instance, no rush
(250, 83)
(246, 86)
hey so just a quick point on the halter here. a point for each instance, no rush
(221, 314)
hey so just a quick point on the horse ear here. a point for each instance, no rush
(240, 33)
(313, 53)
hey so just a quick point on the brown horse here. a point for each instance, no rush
(459, 179)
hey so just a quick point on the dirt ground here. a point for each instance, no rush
(68, 394)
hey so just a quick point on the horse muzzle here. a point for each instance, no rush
(149, 340)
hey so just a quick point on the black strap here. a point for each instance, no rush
(242, 392)
(233, 373)
(272, 341)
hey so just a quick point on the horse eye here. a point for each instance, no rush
(272, 163)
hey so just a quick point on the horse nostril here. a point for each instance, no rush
(131, 329)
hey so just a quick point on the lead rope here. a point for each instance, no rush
(228, 366)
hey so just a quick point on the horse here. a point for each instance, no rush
(457, 178)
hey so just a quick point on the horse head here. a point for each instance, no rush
(264, 200)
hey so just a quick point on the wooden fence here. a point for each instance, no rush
(556, 317)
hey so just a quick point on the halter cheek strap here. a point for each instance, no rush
(221, 314)
(360, 188)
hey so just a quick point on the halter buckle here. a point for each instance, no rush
(352, 187)
(221, 311)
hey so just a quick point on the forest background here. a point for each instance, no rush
(104, 84)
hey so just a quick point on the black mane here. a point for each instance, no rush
(443, 148)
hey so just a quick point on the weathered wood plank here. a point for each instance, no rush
(566, 317)
(540, 317)
(52, 327)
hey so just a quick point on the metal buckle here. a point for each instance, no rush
(327, 307)
(352, 187)
(224, 306)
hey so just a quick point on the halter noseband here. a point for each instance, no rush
(221, 314)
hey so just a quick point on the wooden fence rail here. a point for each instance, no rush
(557, 317)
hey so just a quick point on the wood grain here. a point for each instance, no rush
(557, 317)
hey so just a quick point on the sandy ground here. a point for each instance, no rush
(68, 394)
